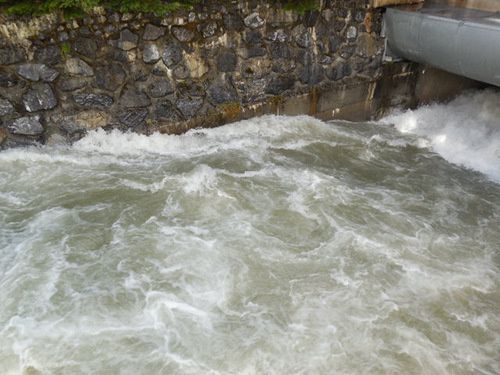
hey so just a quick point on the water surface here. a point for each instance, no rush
(278, 245)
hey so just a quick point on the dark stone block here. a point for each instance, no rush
(339, 71)
(37, 72)
(311, 75)
(39, 97)
(279, 84)
(7, 79)
(128, 40)
(133, 98)
(110, 77)
(222, 92)
(233, 22)
(189, 107)
(172, 55)
(6, 108)
(50, 55)
(183, 34)
(304, 39)
(165, 111)
(93, 100)
(86, 47)
(226, 61)
(253, 37)
(255, 51)
(310, 18)
(280, 51)
(26, 126)
(72, 83)
(333, 44)
(133, 118)
(11, 55)
(153, 32)
(160, 87)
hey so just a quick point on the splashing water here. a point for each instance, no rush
(275, 245)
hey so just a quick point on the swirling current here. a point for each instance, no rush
(276, 245)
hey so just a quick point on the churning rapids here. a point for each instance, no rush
(277, 245)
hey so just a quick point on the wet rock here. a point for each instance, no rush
(50, 55)
(110, 77)
(310, 18)
(304, 39)
(133, 118)
(279, 84)
(7, 79)
(226, 61)
(222, 92)
(351, 33)
(347, 51)
(160, 87)
(37, 72)
(189, 107)
(39, 97)
(83, 121)
(312, 74)
(165, 111)
(181, 72)
(86, 47)
(72, 83)
(254, 51)
(172, 55)
(280, 51)
(6, 108)
(26, 126)
(151, 54)
(152, 32)
(182, 34)
(278, 36)
(253, 38)
(128, 40)
(133, 98)
(233, 22)
(93, 100)
(338, 71)
(208, 29)
(333, 44)
(254, 21)
(11, 55)
(79, 67)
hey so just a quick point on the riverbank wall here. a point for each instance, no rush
(214, 64)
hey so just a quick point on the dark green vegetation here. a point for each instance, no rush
(158, 7)
(80, 7)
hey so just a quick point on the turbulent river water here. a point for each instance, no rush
(277, 245)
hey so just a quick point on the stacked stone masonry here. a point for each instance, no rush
(59, 78)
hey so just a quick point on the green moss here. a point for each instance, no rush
(302, 6)
(76, 8)
(65, 49)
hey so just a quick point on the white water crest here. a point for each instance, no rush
(276, 245)
(465, 131)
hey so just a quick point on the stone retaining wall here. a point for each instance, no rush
(59, 78)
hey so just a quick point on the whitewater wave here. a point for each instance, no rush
(465, 131)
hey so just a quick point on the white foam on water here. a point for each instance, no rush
(465, 131)
(276, 245)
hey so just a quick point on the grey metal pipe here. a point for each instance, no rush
(461, 41)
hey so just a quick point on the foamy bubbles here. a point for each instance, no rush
(465, 131)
